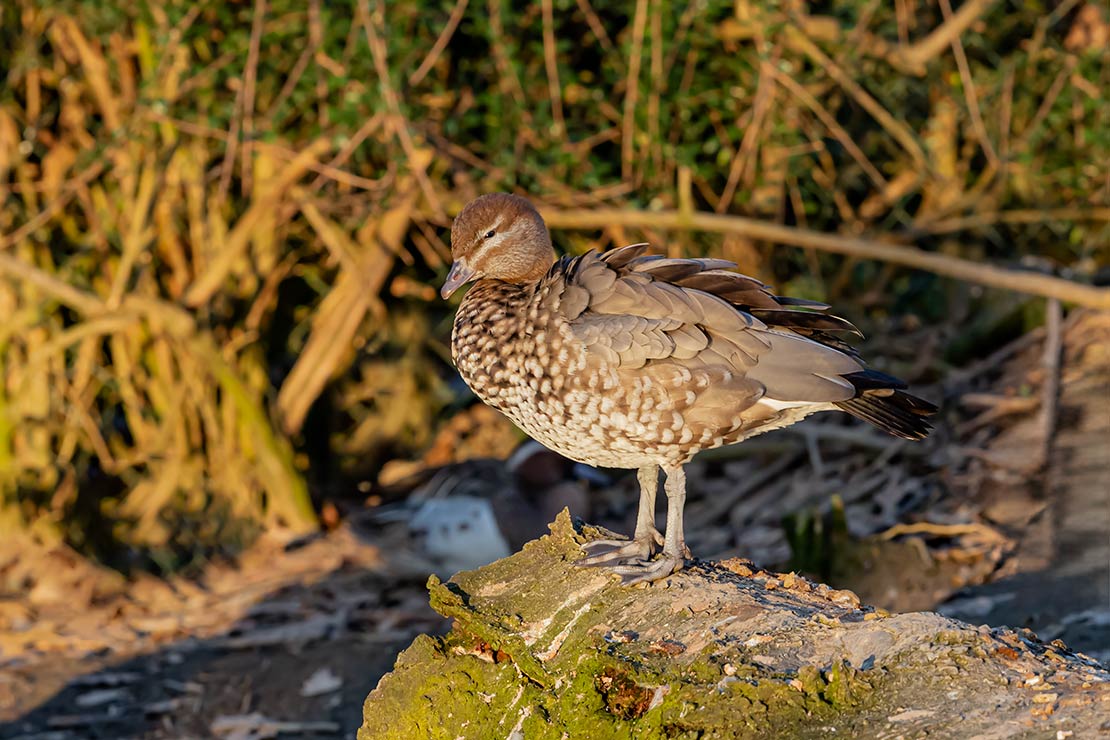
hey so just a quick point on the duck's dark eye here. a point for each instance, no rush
(489, 234)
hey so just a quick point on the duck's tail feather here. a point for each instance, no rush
(895, 412)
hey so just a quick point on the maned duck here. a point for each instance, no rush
(633, 360)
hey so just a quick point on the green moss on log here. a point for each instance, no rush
(542, 649)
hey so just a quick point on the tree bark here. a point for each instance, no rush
(542, 649)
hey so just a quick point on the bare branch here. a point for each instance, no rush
(940, 264)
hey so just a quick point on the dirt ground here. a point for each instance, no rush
(1000, 518)
(288, 642)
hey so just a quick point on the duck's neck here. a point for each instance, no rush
(489, 295)
(494, 305)
(490, 318)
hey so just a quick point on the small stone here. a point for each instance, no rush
(844, 597)
(321, 682)
(1042, 710)
(739, 566)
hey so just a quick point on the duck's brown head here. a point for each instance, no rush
(498, 236)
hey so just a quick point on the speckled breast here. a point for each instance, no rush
(518, 355)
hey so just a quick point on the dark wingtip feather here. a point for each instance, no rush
(895, 412)
(871, 379)
(881, 401)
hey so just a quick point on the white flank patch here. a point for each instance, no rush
(780, 405)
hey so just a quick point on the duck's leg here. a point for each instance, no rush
(675, 551)
(644, 543)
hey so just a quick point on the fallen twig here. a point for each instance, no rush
(1014, 216)
(1049, 286)
(255, 725)
(1050, 391)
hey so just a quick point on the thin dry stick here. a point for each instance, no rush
(324, 170)
(349, 148)
(913, 58)
(678, 39)
(834, 128)
(203, 76)
(451, 149)
(969, 89)
(96, 73)
(551, 66)
(59, 290)
(168, 55)
(232, 150)
(1050, 392)
(893, 126)
(138, 235)
(595, 25)
(941, 264)
(1016, 216)
(632, 90)
(901, 14)
(246, 165)
(1005, 114)
(858, 34)
(316, 40)
(1054, 91)
(397, 121)
(509, 81)
(206, 284)
(764, 93)
(655, 89)
(68, 191)
(440, 44)
(291, 81)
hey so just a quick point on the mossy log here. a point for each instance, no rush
(542, 649)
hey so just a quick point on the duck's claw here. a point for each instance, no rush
(646, 572)
(605, 553)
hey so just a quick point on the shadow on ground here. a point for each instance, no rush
(258, 677)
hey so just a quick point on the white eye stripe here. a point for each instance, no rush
(494, 241)
(486, 246)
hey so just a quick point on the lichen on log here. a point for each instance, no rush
(540, 648)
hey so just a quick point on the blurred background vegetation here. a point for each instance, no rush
(223, 222)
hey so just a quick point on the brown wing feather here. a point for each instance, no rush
(719, 342)
(644, 309)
